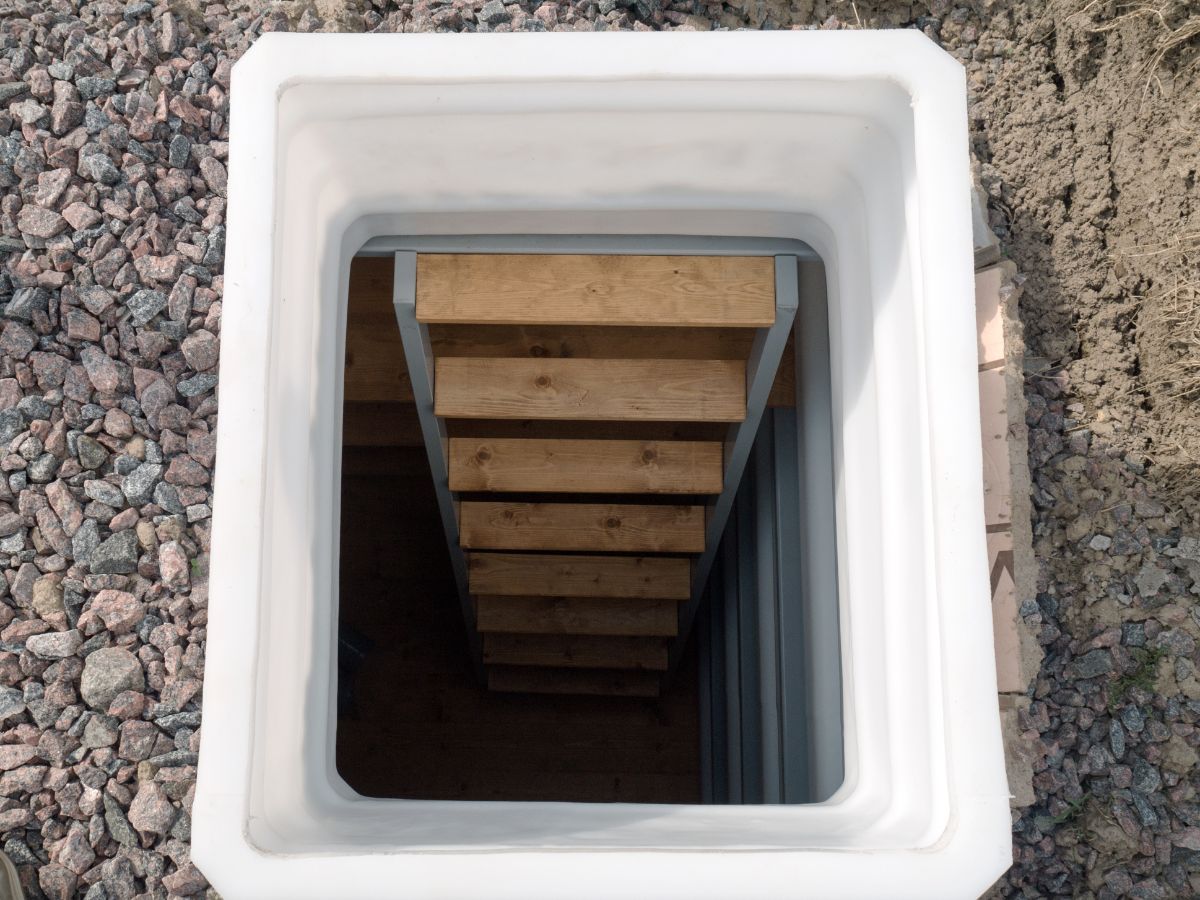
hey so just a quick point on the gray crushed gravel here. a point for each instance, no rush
(113, 167)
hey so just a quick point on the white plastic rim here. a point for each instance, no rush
(855, 143)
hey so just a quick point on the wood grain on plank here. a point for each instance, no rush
(523, 679)
(600, 342)
(596, 290)
(548, 575)
(376, 370)
(657, 390)
(611, 467)
(652, 617)
(575, 651)
(613, 527)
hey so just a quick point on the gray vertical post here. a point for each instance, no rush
(705, 677)
(732, 669)
(766, 561)
(761, 367)
(418, 354)
(816, 620)
(793, 639)
(748, 648)
(714, 649)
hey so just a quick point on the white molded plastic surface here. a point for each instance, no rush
(853, 142)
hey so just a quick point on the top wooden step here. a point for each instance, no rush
(564, 289)
(376, 373)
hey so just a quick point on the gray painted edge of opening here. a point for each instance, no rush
(643, 245)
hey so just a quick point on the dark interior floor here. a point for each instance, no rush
(416, 724)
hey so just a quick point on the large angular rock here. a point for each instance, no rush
(145, 305)
(103, 492)
(173, 565)
(48, 600)
(118, 555)
(12, 704)
(116, 611)
(151, 811)
(25, 302)
(106, 673)
(140, 483)
(74, 852)
(101, 370)
(40, 222)
(214, 175)
(80, 215)
(55, 644)
(201, 350)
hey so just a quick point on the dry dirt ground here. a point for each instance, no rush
(1085, 119)
(113, 142)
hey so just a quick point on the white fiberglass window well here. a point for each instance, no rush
(853, 145)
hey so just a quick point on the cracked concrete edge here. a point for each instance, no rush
(1007, 486)
(1024, 562)
(987, 245)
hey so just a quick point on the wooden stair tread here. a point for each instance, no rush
(660, 390)
(613, 527)
(595, 289)
(586, 466)
(531, 680)
(375, 370)
(547, 575)
(648, 617)
(575, 651)
(558, 376)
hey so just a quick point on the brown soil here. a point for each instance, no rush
(1090, 138)
(1085, 120)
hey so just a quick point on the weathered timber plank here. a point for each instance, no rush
(660, 390)
(376, 372)
(612, 527)
(554, 575)
(596, 290)
(584, 466)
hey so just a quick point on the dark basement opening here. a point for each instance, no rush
(414, 720)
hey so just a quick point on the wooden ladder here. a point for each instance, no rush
(587, 419)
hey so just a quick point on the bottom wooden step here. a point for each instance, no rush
(575, 651)
(531, 680)
(629, 616)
